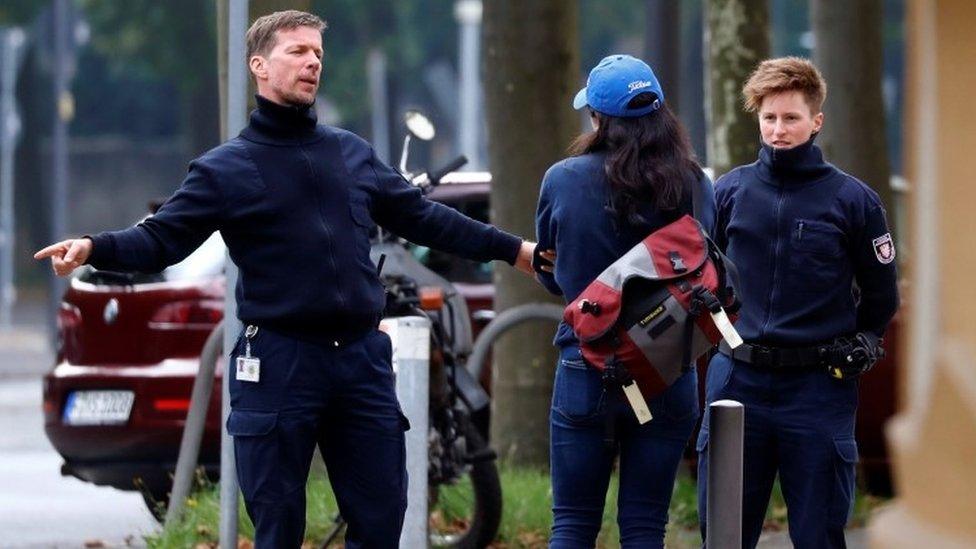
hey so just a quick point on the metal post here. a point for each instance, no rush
(411, 364)
(235, 119)
(196, 420)
(468, 14)
(12, 39)
(228, 465)
(376, 72)
(725, 441)
(64, 109)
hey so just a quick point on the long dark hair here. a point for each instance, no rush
(649, 159)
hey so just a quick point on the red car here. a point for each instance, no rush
(116, 400)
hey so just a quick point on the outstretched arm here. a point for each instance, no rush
(402, 208)
(179, 226)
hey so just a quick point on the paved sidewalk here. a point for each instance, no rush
(39, 508)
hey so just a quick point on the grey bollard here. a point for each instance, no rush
(725, 443)
(410, 337)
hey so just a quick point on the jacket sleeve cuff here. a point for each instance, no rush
(506, 247)
(103, 249)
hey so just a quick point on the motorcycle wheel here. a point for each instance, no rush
(466, 514)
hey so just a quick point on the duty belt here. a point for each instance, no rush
(781, 358)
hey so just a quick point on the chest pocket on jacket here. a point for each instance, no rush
(360, 214)
(817, 263)
(816, 237)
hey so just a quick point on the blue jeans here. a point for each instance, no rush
(799, 424)
(581, 461)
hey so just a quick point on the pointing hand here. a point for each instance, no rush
(67, 254)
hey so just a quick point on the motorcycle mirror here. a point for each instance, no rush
(419, 125)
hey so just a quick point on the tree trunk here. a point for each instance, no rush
(848, 51)
(736, 39)
(662, 46)
(531, 72)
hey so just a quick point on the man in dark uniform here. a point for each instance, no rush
(295, 202)
(818, 287)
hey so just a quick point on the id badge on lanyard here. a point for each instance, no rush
(248, 367)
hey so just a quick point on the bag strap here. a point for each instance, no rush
(728, 276)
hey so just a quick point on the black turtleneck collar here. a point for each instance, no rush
(800, 164)
(277, 124)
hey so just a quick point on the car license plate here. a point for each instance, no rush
(98, 407)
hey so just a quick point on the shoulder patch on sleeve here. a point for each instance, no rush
(884, 248)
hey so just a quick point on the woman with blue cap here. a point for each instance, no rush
(633, 174)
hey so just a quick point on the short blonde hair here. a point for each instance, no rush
(785, 74)
(262, 37)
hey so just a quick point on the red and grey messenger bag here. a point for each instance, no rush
(652, 313)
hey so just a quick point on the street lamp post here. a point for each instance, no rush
(63, 112)
(468, 14)
(11, 41)
(235, 118)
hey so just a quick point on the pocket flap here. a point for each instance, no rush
(846, 449)
(360, 213)
(251, 423)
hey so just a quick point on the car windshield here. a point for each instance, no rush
(206, 261)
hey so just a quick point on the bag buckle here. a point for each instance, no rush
(588, 307)
(677, 264)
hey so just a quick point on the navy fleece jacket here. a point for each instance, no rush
(295, 202)
(803, 234)
(573, 219)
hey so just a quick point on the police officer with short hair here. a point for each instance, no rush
(295, 202)
(818, 288)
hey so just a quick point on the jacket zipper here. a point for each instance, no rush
(325, 226)
(780, 198)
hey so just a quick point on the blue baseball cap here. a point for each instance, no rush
(614, 82)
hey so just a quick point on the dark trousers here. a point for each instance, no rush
(339, 397)
(799, 424)
(581, 462)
